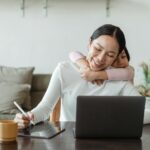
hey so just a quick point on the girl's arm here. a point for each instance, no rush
(109, 74)
(121, 73)
(79, 59)
(75, 55)
(90, 75)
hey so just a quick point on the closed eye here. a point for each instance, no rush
(97, 49)
(111, 55)
(123, 57)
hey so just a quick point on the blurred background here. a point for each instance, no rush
(41, 33)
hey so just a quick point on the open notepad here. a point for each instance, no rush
(43, 130)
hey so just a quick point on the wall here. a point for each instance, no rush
(40, 41)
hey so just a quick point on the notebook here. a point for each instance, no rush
(44, 130)
(109, 116)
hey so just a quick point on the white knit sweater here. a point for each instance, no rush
(67, 84)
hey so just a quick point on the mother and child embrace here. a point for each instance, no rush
(103, 71)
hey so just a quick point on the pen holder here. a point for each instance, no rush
(8, 131)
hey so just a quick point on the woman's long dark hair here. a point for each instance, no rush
(114, 31)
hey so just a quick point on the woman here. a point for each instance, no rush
(104, 46)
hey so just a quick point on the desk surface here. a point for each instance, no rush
(66, 141)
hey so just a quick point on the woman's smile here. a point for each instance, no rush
(96, 65)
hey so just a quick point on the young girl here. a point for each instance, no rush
(120, 69)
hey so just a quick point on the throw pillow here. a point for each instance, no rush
(10, 92)
(16, 75)
(21, 75)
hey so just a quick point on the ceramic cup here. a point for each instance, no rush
(8, 131)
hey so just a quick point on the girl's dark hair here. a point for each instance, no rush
(127, 53)
(114, 31)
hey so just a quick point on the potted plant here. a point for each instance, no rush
(144, 89)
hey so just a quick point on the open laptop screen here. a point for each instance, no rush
(109, 116)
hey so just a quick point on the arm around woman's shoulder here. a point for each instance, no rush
(75, 55)
(120, 73)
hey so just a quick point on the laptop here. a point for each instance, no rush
(109, 116)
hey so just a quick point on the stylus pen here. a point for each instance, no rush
(23, 112)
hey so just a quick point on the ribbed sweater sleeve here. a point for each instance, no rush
(44, 108)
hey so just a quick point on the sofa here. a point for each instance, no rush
(22, 85)
(38, 87)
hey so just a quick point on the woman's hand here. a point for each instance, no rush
(22, 120)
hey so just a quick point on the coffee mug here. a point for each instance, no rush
(8, 131)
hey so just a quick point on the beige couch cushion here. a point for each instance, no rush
(39, 86)
(10, 92)
(22, 75)
(16, 75)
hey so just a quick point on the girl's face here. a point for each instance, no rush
(102, 52)
(121, 61)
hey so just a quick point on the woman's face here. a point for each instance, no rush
(121, 61)
(102, 52)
